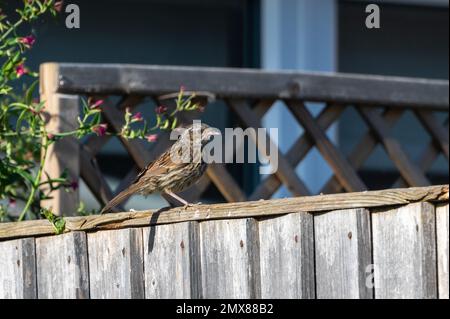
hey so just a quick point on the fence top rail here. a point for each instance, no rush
(74, 78)
(255, 209)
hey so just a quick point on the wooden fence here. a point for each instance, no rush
(249, 95)
(375, 244)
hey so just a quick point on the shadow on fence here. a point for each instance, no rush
(376, 244)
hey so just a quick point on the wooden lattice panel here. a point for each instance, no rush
(249, 95)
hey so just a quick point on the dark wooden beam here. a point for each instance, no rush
(251, 83)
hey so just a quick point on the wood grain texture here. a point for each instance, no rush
(63, 155)
(62, 271)
(343, 253)
(343, 171)
(437, 131)
(362, 150)
(297, 152)
(230, 259)
(442, 235)
(426, 159)
(116, 264)
(404, 252)
(287, 256)
(242, 258)
(18, 269)
(285, 172)
(412, 174)
(259, 208)
(343, 88)
(172, 261)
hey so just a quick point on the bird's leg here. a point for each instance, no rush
(178, 198)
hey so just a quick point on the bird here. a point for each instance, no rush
(174, 170)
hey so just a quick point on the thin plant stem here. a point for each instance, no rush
(14, 27)
(36, 183)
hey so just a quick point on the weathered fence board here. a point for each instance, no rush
(287, 256)
(172, 261)
(229, 259)
(116, 264)
(63, 266)
(442, 234)
(390, 251)
(343, 253)
(319, 203)
(18, 269)
(404, 252)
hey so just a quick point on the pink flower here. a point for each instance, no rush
(97, 104)
(58, 5)
(182, 88)
(137, 117)
(161, 109)
(28, 41)
(100, 129)
(152, 138)
(74, 185)
(50, 136)
(20, 70)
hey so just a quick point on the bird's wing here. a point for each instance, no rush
(161, 166)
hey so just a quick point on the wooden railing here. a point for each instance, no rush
(249, 95)
(376, 244)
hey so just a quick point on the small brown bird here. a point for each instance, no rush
(174, 170)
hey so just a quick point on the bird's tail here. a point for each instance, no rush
(119, 198)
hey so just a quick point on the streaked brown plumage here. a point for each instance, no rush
(166, 176)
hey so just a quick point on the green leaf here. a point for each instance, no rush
(20, 119)
(58, 222)
(64, 174)
(11, 62)
(25, 175)
(166, 124)
(19, 106)
(174, 123)
(29, 92)
(59, 225)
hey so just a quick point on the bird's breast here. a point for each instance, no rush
(179, 179)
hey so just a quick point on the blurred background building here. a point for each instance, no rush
(310, 35)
